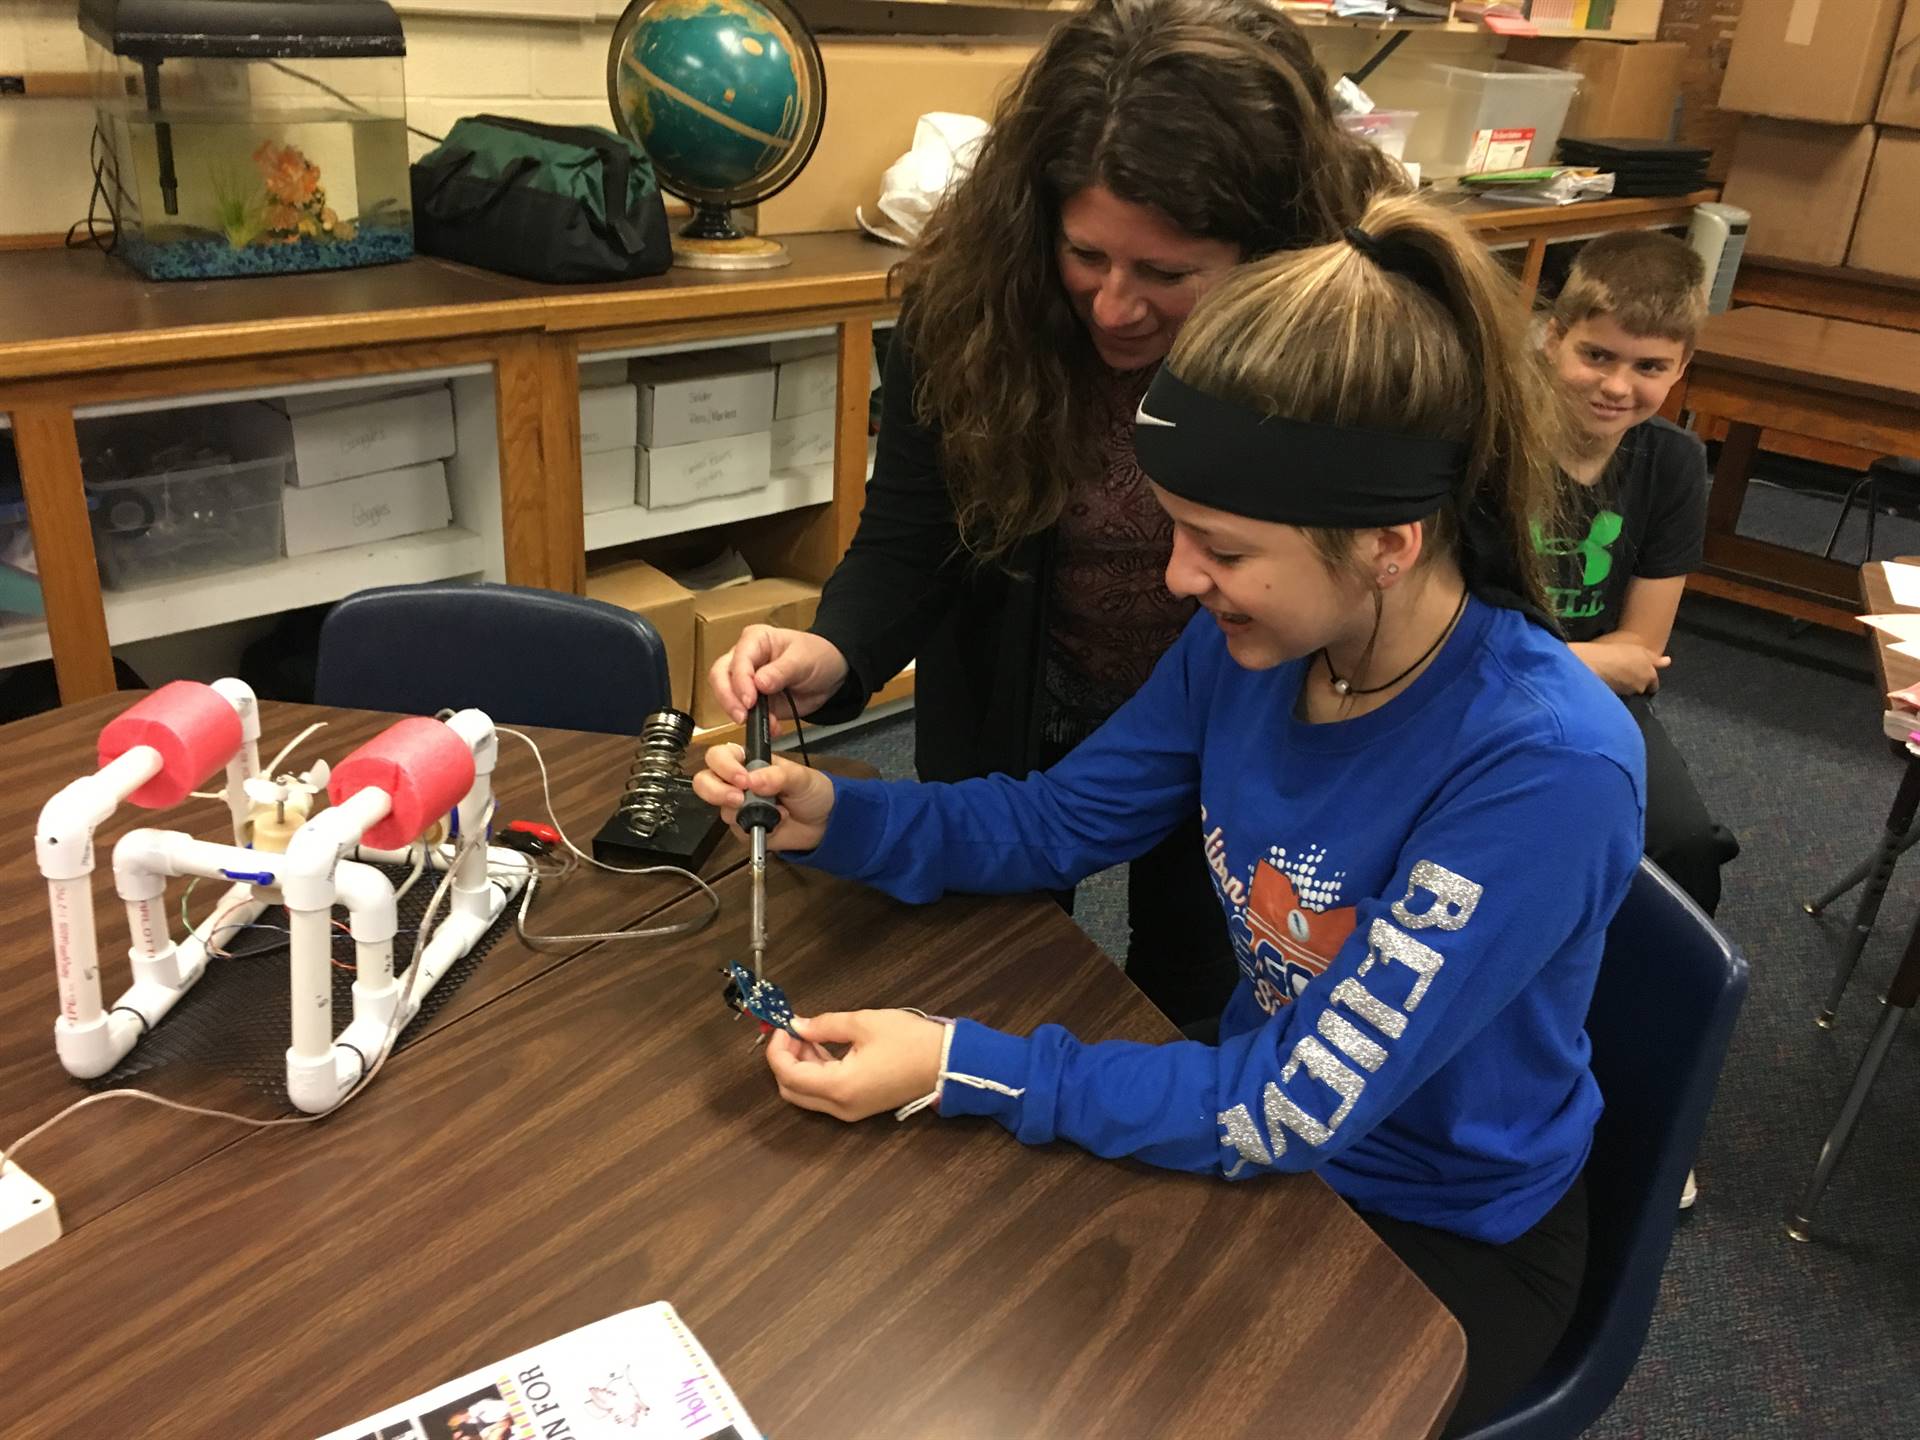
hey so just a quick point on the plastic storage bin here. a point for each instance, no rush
(167, 519)
(1461, 106)
(1385, 130)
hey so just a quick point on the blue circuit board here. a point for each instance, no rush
(762, 999)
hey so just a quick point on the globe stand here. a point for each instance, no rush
(710, 241)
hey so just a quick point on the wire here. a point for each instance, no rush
(272, 767)
(799, 730)
(538, 942)
(346, 99)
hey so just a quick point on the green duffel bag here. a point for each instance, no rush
(545, 202)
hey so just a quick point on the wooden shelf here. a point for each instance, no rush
(214, 598)
(1545, 30)
(788, 490)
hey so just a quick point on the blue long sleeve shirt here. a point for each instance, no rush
(1418, 899)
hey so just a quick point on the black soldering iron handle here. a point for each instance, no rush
(758, 813)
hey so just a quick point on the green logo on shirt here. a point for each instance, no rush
(1595, 556)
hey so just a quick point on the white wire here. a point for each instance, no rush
(681, 927)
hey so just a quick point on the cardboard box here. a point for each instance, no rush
(609, 418)
(597, 373)
(666, 604)
(704, 470)
(781, 351)
(1810, 59)
(719, 616)
(804, 387)
(1883, 239)
(1802, 184)
(804, 441)
(897, 81)
(684, 398)
(1705, 31)
(609, 479)
(1900, 96)
(340, 435)
(367, 508)
(1625, 90)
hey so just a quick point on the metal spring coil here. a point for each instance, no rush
(657, 774)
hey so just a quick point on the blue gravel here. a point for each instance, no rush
(211, 257)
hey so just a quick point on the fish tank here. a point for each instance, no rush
(250, 137)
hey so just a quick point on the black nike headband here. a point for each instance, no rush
(1294, 472)
(1297, 472)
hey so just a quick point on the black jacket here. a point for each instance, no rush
(908, 590)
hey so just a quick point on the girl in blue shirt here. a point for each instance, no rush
(1420, 810)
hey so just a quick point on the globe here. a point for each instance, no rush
(727, 97)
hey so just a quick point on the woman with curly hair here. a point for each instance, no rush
(1009, 541)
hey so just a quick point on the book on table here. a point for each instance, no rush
(632, 1376)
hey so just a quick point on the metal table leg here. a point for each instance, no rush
(1893, 840)
(1901, 996)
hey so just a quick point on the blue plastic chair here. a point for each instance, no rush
(1662, 1015)
(526, 657)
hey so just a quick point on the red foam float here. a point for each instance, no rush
(193, 728)
(421, 764)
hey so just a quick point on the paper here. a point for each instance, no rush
(1904, 582)
(639, 1375)
(1900, 627)
(1908, 648)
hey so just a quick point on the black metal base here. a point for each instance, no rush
(686, 842)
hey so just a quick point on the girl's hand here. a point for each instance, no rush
(893, 1059)
(805, 797)
(766, 661)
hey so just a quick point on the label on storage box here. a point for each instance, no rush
(804, 441)
(703, 470)
(1499, 149)
(367, 508)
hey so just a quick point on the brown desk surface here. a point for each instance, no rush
(37, 756)
(1814, 352)
(66, 311)
(606, 1136)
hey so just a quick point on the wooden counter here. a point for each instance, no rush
(82, 335)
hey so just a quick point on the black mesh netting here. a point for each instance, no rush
(237, 1018)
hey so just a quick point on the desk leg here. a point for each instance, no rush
(537, 396)
(1893, 840)
(1530, 267)
(1730, 476)
(1901, 996)
(49, 455)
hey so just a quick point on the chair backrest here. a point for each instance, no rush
(1663, 1010)
(526, 657)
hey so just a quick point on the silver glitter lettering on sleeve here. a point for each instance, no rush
(1243, 1137)
(1454, 898)
(1376, 1012)
(1321, 1064)
(1386, 943)
(1357, 1047)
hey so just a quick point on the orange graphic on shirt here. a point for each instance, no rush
(1290, 944)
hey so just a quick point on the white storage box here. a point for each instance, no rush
(609, 419)
(681, 474)
(608, 479)
(596, 373)
(683, 399)
(367, 508)
(804, 441)
(781, 351)
(186, 511)
(1385, 130)
(1479, 118)
(341, 434)
(803, 387)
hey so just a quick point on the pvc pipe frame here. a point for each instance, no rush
(90, 1037)
(312, 877)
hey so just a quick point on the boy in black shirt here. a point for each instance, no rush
(1620, 336)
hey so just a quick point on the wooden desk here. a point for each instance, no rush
(602, 1133)
(91, 1175)
(1834, 381)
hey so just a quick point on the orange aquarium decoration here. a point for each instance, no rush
(297, 206)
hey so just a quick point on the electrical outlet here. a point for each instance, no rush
(29, 1219)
